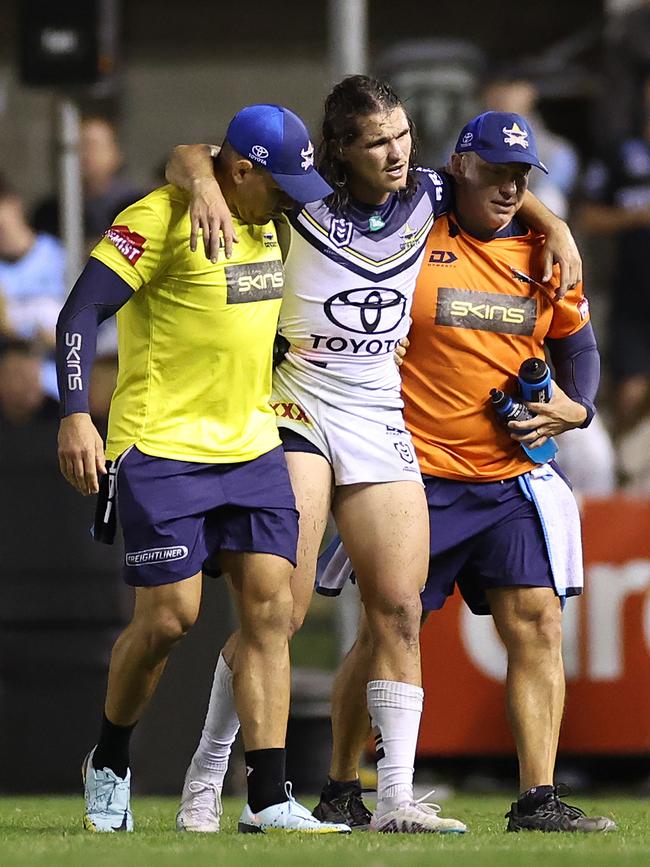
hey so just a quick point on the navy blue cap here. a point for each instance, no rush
(276, 139)
(500, 137)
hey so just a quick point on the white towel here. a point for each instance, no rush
(560, 520)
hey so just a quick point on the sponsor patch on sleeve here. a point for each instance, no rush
(583, 308)
(130, 244)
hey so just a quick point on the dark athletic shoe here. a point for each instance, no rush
(554, 815)
(347, 807)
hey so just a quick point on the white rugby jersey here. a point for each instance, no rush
(349, 282)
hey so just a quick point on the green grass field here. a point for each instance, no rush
(47, 831)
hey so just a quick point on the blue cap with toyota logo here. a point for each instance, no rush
(276, 139)
(500, 137)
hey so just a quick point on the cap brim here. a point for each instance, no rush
(309, 187)
(491, 156)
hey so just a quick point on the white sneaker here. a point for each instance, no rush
(416, 817)
(107, 799)
(288, 817)
(200, 808)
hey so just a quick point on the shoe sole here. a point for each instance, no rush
(244, 828)
(181, 827)
(608, 829)
(392, 828)
(352, 828)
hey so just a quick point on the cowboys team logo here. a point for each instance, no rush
(407, 234)
(515, 136)
(307, 155)
(340, 232)
(366, 311)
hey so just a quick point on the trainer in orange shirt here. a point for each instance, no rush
(479, 311)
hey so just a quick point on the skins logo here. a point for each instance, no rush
(130, 244)
(73, 341)
(442, 257)
(485, 311)
(366, 311)
(255, 281)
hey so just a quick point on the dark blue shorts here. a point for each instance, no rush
(483, 535)
(176, 515)
(292, 441)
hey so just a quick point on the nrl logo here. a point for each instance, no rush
(515, 135)
(307, 155)
(340, 233)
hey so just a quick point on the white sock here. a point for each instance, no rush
(395, 709)
(210, 761)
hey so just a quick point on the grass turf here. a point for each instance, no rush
(47, 831)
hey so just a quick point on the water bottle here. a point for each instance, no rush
(535, 380)
(507, 410)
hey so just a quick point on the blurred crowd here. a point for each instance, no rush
(602, 190)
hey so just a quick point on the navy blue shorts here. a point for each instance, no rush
(292, 441)
(483, 535)
(176, 515)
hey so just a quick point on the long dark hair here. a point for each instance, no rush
(355, 97)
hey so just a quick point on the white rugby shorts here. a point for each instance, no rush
(363, 443)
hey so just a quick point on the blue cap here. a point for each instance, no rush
(500, 137)
(276, 139)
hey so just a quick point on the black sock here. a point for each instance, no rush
(113, 748)
(529, 801)
(334, 788)
(265, 775)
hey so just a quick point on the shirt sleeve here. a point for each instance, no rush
(98, 293)
(577, 367)
(134, 246)
(439, 187)
(570, 313)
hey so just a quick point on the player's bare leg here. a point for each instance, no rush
(385, 529)
(261, 683)
(529, 621)
(161, 617)
(350, 720)
(341, 798)
(261, 676)
(311, 479)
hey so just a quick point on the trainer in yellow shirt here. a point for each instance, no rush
(195, 340)
(195, 468)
